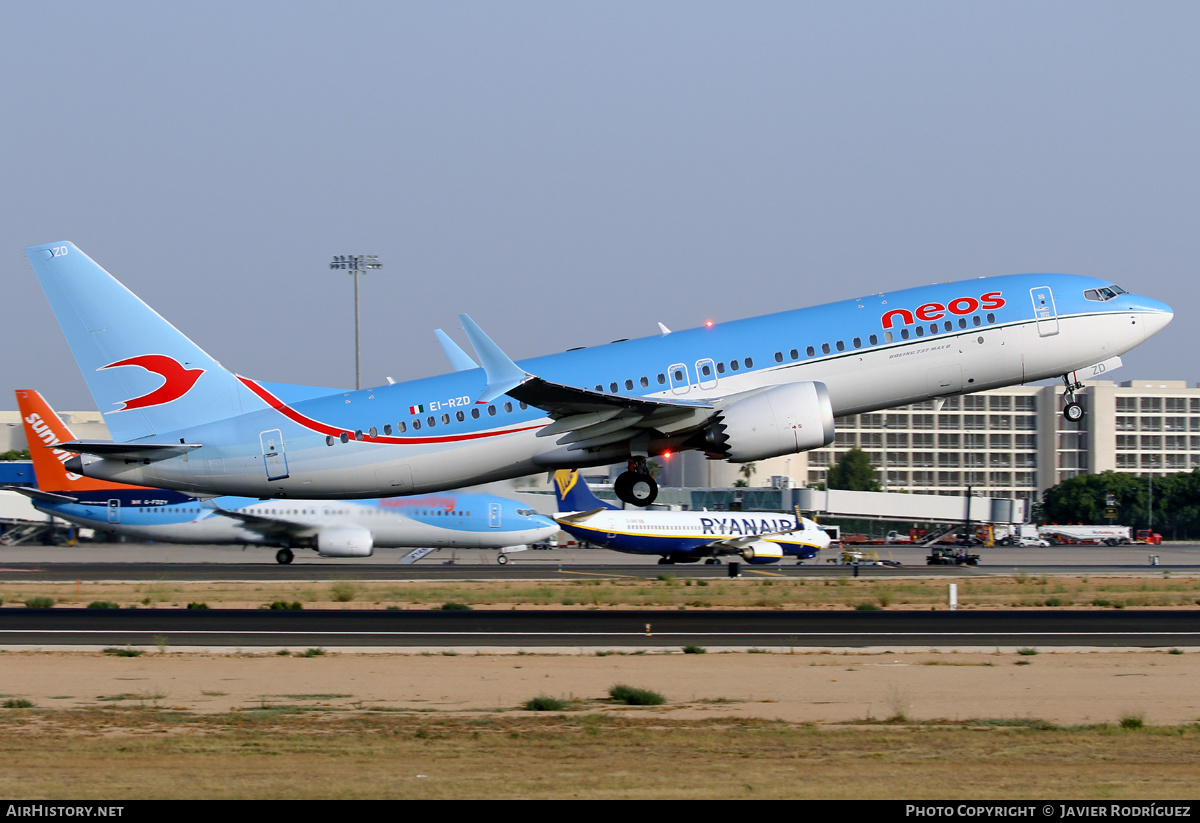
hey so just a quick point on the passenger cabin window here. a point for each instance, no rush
(720, 368)
(810, 351)
(401, 427)
(873, 340)
(733, 366)
(794, 354)
(749, 362)
(824, 348)
(840, 346)
(645, 382)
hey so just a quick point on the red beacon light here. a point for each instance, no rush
(708, 324)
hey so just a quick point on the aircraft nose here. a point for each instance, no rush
(1156, 314)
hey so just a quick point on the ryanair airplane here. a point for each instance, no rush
(684, 537)
(334, 528)
(740, 391)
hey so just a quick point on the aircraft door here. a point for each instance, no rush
(706, 373)
(114, 511)
(493, 515)
(1044, 311)
(274, 458)
(681, 382)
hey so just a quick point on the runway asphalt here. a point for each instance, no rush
(135, 562)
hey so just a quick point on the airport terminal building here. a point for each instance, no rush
(1010, 442)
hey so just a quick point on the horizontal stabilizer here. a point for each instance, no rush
(39, 495)
(578, 517)
(127, 451)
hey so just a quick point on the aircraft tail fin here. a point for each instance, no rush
(573, 494)
(44, 429)
(145, 375)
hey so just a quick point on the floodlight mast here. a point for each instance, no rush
(355, 263)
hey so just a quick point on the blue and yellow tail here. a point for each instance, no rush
(573, 494)
(146, 377)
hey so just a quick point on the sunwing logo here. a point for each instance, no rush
(178, 380)
(936, 311)
(41, 430)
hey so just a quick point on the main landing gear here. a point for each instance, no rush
(284, 556)
(1072, 411)
(635, 486)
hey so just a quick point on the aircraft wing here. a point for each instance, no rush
(269, 526)
(584, 417)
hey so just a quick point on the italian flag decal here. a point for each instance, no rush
(416, 409)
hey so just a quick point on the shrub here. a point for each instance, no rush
(312, 653)
(1027, 651)
(690, 649)
(281, 605)
(102, 604)
(205, 605)
(1133, 720)
(17, 703)
(542, 703)
(455, 607)
(866, 607)
(343, 592)
(40, 603)
(117, 651)
(635, 697)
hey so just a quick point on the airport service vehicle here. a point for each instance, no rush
(1026, 536)
(683, 537)
(1149, 537)
(1108, 535)
(334, 528)
(951, 557)
(740, 391)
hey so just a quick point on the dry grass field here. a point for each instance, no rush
(756, 590)
(943, 724)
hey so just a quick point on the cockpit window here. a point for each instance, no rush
(1103, 294)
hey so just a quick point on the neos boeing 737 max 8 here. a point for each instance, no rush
(334, 528)
(741, 391)
(684, 537)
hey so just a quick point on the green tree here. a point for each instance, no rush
(853, 472)
(15, 454)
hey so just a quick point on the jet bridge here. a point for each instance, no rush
(928, 508)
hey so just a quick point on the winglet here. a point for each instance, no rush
(502, 373)
(459, 359)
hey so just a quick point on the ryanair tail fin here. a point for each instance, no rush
(145, 375)
(44, 430)
(573, 494)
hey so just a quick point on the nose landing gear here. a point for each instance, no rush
(1072, 411)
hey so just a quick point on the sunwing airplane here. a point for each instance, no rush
(683, 537)
(740, 391)
(334, 528)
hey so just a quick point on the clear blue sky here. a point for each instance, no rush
(570, 173)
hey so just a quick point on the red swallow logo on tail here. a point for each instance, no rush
(178, 380)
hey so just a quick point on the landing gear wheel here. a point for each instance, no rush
(284, 556)
(1073, 412)
(666, 561)
(502, 559)
(712, 561)
(635, 488)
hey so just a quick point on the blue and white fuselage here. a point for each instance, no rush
(741, 391)
(335, 528)
(684, 537)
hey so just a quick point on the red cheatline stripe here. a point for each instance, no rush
(324, 428)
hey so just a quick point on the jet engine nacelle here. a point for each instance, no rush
(782, 420)
(345, 543)
(761, 552)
